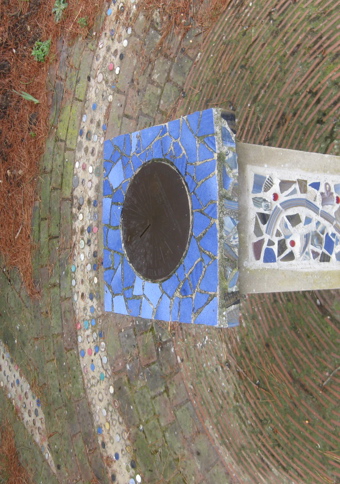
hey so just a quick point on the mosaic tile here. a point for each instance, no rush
(200, 300)
(310, 226)
(191, 145)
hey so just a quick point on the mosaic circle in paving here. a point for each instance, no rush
(156, 219)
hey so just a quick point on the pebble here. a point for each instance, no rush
(117, 70)
(125, 42)
(111, 66)
(75, 181)
(100, 77)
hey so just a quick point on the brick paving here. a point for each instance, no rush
(173, 386)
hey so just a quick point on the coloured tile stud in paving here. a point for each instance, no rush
(170, 216)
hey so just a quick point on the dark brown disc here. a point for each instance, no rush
(156, 220)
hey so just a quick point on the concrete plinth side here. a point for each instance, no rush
(289, 220)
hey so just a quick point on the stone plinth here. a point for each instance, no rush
(170, 215)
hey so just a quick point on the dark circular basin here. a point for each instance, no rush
(156, 220)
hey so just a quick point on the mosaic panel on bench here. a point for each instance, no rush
(296, 220)
(190, 294)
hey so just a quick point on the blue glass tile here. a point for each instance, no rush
(181, 165)
(337, 188)
(108, 275)
(231, 205)
(115, 156)
(107, 190)
(114, 241)
(185, 310)
(308, 220)
(134, 141)
(228, 225)
(186, 289)
(116, 211)
(106, 210)
(170, 285)
(128, 172)
(207, 123)
(166, 144)
(157, 150)
(152, 291)
(177, 149)
(118, 196)
(193, 121)
(124, 186)
(119, 305)
(204, 153)
(175, 310)
(227, 180)
(107, 299)
(190, 170)
(201, 222)
(128, 293)
(174, 128)
(258, 183)
(209, 282)
(163, 309)
(211, 142)
(196, 204)
(117, 283)
(181, 272)
(200, 300)
(134, 307)
(119, 142)
(269, 255)
(192, 256)
(209, 240)
(231, 159)
(196, 274)
(105, 232)
(315, 185)
(125, 160)
(233, 281)
(207, 191)
(138, 289)
(116, 175)
(191, 183)
(107, 259)
(337, 256)
(146, 310)
(136, 162)
(227, 138)
(205, 169)
(107, 167)
(188, 142)
(208, 315)
(148, 135)
(229, 252)
(206, 258)
(329, 244)
(129, 274)
(128, 144)
(108, 150)
(211, 210)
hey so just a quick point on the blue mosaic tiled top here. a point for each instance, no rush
(191, 295)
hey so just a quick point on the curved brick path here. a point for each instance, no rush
(188, 396)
